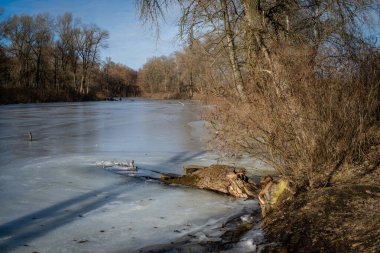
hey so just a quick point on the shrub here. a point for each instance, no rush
(305, 118)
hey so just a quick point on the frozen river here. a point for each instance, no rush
(53, 197)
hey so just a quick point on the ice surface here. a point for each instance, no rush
(53, 197)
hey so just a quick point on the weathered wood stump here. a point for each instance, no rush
(220, 178)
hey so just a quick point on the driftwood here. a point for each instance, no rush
(220, 178)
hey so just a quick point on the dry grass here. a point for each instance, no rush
(332, 219)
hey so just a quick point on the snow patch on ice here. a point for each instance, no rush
(128, 165)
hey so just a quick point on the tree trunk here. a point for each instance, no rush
(238, 78)
(81, 90)
(75, 80)
(56, 85)
(255, 19)
(38, 70)
(84, 77)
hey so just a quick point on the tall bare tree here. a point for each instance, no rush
(43, 35)
(67, 53)
(89, 41)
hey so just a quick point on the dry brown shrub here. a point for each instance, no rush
(304, 117)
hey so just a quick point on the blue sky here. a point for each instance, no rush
(130, 42)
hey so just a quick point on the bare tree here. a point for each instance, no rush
(18, 33)
(89, 41)
(67, 53)
(43, 34)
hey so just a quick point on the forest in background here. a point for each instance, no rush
(45, 59)
(48, 59)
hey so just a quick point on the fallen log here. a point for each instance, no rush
(220, 178)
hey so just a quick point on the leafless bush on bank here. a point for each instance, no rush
(306, 121)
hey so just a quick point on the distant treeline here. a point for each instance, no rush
(201, 67)
(57, 59)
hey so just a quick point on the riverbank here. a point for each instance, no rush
(33, 95)
(17, 95)
(342, 217)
